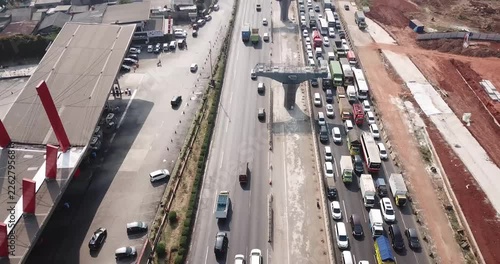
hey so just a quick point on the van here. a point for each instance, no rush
(347, 257)
(329, 96)
(317, 99)
(158, 175)
(341, 236)
(173, 45)
(321, 119)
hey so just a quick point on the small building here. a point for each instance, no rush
(39, 14)
(47, 3)
(20, 14)
(53, 23)
(133, 13)
(153, 31)
(78, 9)
(59, 8)
(417, 26)
(19, 28)
(93, 16)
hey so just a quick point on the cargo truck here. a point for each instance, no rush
(345, 109)
(328, 4)
(317, 39)
(383, 252)
(359, 19)
(351, 93)
(347, 70)
(255, 37)
(358, 113)
(367, 190)
(398, 188)
(376, 222)
(351, 57)
(331, 190)
(243, 176)
(337, 74)
(223, 202)
(245, 33)
(346, 169)
(353, 141)
(340, 92)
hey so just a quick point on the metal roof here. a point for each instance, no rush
(126, 13)
(460, 35)
(79, 68)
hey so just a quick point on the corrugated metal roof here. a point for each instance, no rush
(459, 35)
(127, 13)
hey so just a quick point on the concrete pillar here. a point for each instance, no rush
(290, 93)
(4, 241)
(53, 115)
(51, 162)
(284, 7)
(29, 196)
(4, 136)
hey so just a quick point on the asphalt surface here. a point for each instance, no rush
(350, 196)
(114, 189)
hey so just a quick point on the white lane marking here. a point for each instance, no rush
(345, 210)
(221, 159)
(112, 138)
(162, 123)
(206, 256)
(231, 98)
(227, 126)
(126, 109)
(354, 257)
(286, 200)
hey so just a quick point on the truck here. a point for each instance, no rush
(337, 74)
(317, 39)
(340, 92)
(398, 188)
(255, 37)
(376, 222)
(245, 33)
(328, 4)
(345, 109)
(346, 169)
(312, 19)
(331, 190)
(351, 57)
(354, 141)
(351, 93)
(383, 252)
(223, 202)
(381, 187)
(359, 19)
(358, 113)
(367, 190)
(331, 56)
(243, 175)
(347, 70)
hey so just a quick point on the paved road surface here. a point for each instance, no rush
(117, 190)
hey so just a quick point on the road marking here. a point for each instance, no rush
(221, 160)
(126, 109)
(336, 168)
(231, 98)
(345, 210)
(227, 126)
(354, 257)
(112, 138)
(206, 256)
(162, 123)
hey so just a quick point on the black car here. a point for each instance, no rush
(98, 238)
(412, 236)
(176, 101)
(357, 161)
(331, 193)
(314, 82)
(221, 243)
(396, 237)
(329, 96)
(136, 227)
(357, 228)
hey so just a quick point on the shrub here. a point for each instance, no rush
(160, 250)
(172, 217)
(179, 259)
(183, 242)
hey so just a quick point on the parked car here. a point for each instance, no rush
(158, 175)
(134, 50)
(136, 227)
(150, 48)
(208, 17)
(125, 252)
(157, 48)
(261, 114)
(133, 56)
(98, 238)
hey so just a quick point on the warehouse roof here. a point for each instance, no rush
(79, 68)
(127, 13)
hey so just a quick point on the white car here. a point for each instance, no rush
(158, 175)
(134, 51)
(337, 137)
(328, 153)
(331, 32)
(348, 125)
(239, 259)
(328, 169)
(329, 111)
(336, 212)
(255, 256)
(309, 48)
(341, 235)
(264, 21)
(317, 99)
(310, 55)
(321, 119)
(370, 117)
(309, 4)
(266, 37)
(193, 68)
(150, 48)
(326, 42)
(344, 42)
(366, 106)
(312, 63)
(305, 33)
(375, 131)
(383, 151)
(320, 16)
(308, 40)
(387, 210)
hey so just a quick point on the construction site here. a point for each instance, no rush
(465, 74)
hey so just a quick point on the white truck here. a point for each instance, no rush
(346, 169)
(376, 222)
(398, 188)
(367, 190)
(351, 93)
(223, 202)
(331, 56)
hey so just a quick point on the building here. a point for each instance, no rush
(93, 15)
(133, 13)
(53, 23)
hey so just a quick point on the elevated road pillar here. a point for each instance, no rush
(284, 7)
(29, 196)
(51, 162)
(290, 93)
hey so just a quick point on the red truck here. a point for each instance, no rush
(351, 57)
(317, 39)
(359, 115)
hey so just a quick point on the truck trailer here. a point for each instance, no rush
(346, 169)
(345, 109)
(347, 70)
(367, 190)
(398, 188)
(245, 33)
(376, 222)
(222, 207)
(383, 252)
(337, 74)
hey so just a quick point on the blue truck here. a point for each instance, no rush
(383, 253)
(245, 33)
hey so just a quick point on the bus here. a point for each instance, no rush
(330, 18)
(360, 84)
(370, 152)
(323, 26)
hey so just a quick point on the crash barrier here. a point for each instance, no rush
(460, 35)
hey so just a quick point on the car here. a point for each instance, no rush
(326, 42)
(308, 40)
(134, 50)
(253, 75)
(344, 41)
(329, 111)
(309, 4)
(125, 68)
(208, 17)
(366, 106)
(308, 48)
(317, 8)
(193, 68)
(136, 227)
(341, 33)
(216, 7)
(255, 256)
(337, 137)
(264, 21)
(310, 56)
(328, 169)
(129, 62)
(176, 101)
(221, 243)
(157, 48)
(356, 226)
(374, 130)
(302, 8)
(98, 238)
(239, 259)
(317, 99)
(314, 82)
(150, 48)
(341, 236)
(305, 33)
(348, 125)
(412, 236)
(125, 252)
(258, 7)
(328, 153)
(370, 117)
(195, 33)
(266, 37)
(383, 151)
(195, 26)
(336, 212)
(387, 210)
(261, 88)
(261, 115)
(158, 174)
(331, 32)
(321, 119)
(320, 16)
(346, 7)
(357, 163)
(133, 56)
(396, 238)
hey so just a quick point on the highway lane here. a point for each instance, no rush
(238, 138)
